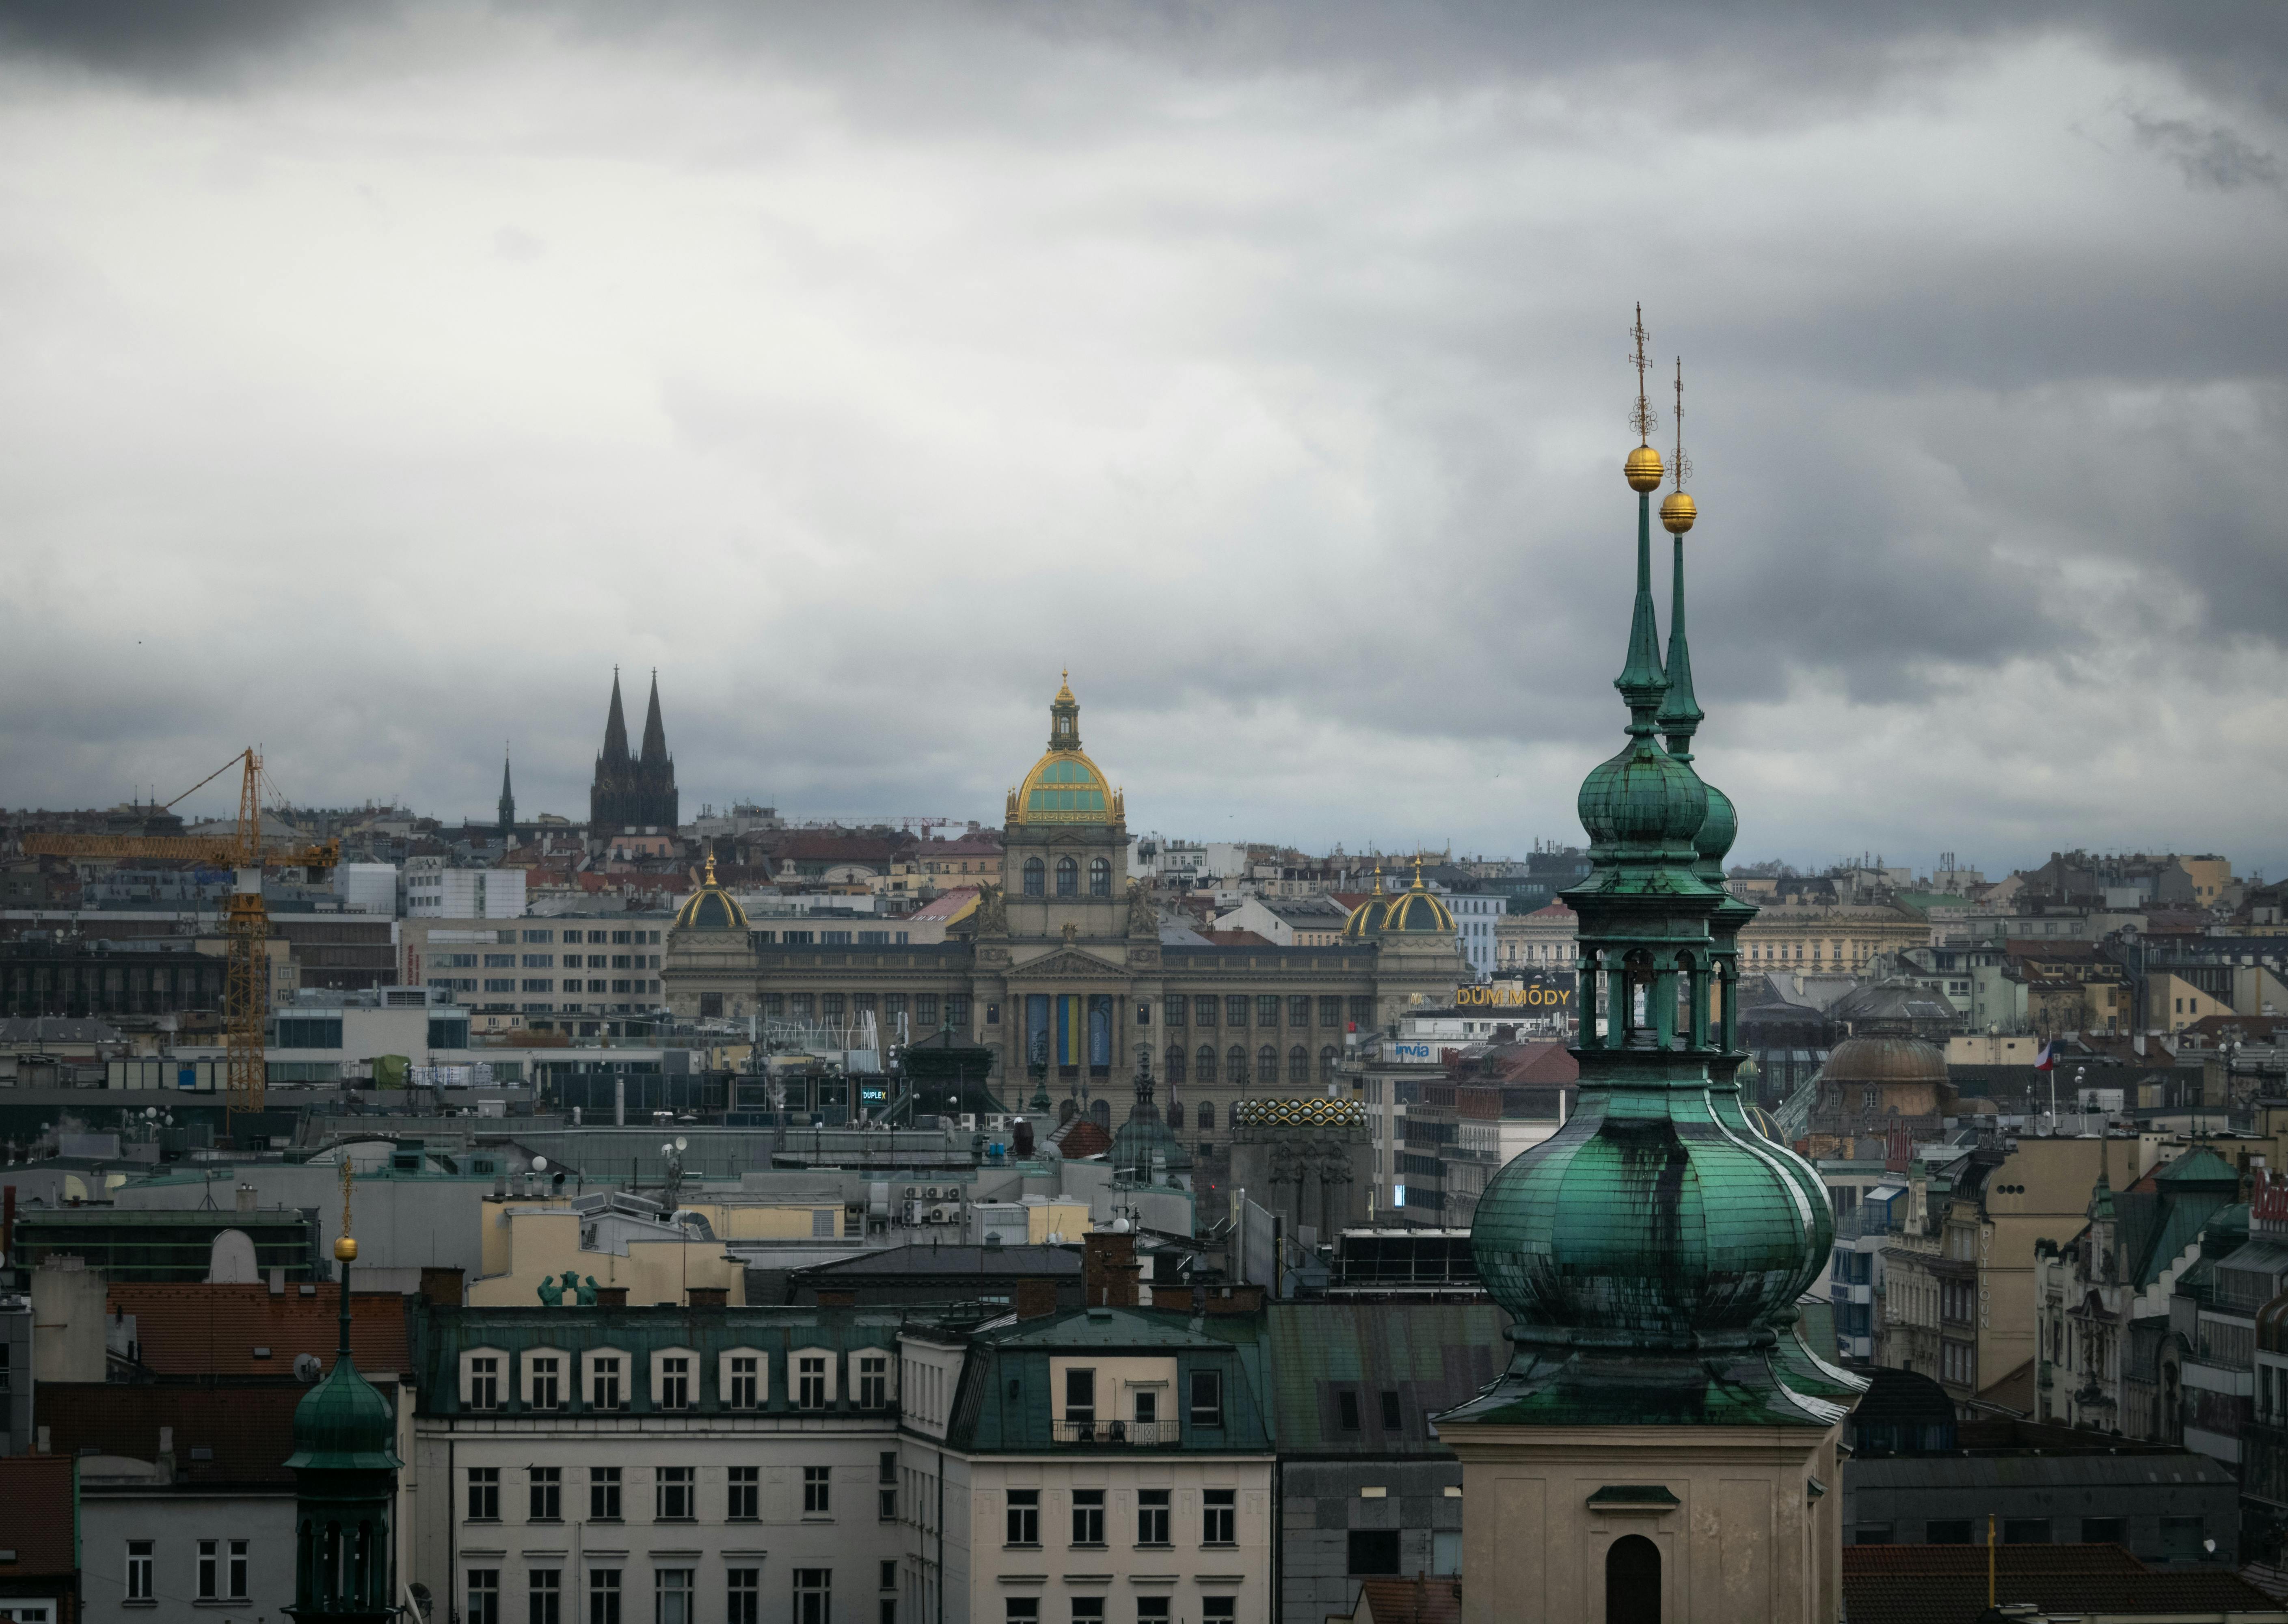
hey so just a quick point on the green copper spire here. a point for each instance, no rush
(1680, 710)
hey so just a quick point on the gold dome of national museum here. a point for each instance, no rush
(1643, 469)
(1065, 785)
(710, 908)
(1677, 513)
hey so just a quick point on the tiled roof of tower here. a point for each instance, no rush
(1433, 1355)
(1946, 1584)
(196, 1330)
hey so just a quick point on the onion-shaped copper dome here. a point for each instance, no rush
(1885, 1057)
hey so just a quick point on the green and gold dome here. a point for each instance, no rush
(1651, 1251)
(1417, 911)
(1065, 785)
(710, 908)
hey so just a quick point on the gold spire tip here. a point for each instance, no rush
(1677, 512)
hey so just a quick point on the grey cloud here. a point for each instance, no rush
(2211, 155)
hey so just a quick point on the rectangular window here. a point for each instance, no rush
(1235, 1010)
(1446, 1552)
(1373, 1551)
(484, 1385)
(1080, 1395)
(746, 1383)
(1022, 1610)
(924, 1009)
(889, 1576)
(1024, 1517)
(541, 938)
(1347, 1404)
(1204, 1011)
(675, 1384)
(1298, 1011)
(745, 1503)
(1207, 1399)
(1152, 1608)
(604, 1595)
(1176, 1008)
(1362, 1012)
(1220, 1517)
(1390, 1421)
(603, 1493)
(209, 1570)
(544, 1599)
(546, 1390)
(817, 1491)
(1088, 1609)
(1088, 1517)
(742, 1595)
(873, 1381)
(1218, 1608)
(484, 1595)
(813, 1595)
(1331, 1011)
(1152, 1517)
(604, 1384)
(1267, 1009)
(886, 1474)
(672, 1495)
(547, 1486)
(957, 1011)
(237, 1574)
(484, 1493)
(810, 1393)
(670, 1591)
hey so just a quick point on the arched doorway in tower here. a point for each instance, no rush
(1633, 1581)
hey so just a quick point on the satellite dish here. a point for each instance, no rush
(306, 1368)
(681, 1142)
(540, 1164)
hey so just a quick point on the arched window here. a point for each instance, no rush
(1207, 1059)
(1034, 872)
(1299, 1067)
(1101, 1110)
(1633, 1581)
(1175, 1064)
(1207, 1116)
(1099, 877)
(1067, 877)
(1175, 1115)
(1237, 1061)
(1327, 1063)
(1266, 1065)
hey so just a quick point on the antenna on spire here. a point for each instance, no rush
(1642, 419)
(1681, 468)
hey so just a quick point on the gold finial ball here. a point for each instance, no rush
(1643, 469)
(345, 1248)
(1677, 513)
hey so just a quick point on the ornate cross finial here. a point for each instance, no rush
(1681, 468)
(1642, 420)
(348, 1173)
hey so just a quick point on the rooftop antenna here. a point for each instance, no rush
(1642, 419)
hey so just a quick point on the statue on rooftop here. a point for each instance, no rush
(551, 1293)
(587, 1290)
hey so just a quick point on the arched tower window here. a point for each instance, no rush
(1034, 872)
(1099, 877)
(1207, 1059)
(1299, 1067)
(1207, 1116)
(1327, 1063)
(1067, 877)
(1237, 1061)
(1633, 1581)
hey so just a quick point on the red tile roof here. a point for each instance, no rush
(1418, 1600)
(38, 1521)
(1946, 1584)
(1237, 939)
(1081, 1137)
(244, 1433)
(196, 1330)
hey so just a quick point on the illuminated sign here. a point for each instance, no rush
(1511, 997)
(1414, 1051)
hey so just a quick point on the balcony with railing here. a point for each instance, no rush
(1118, 1434)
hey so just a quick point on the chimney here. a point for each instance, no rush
(442, 1287)
(245, 1198)
(710, 1296)
(1109, 1268)
(1236, 1300)
(277, 1282)
(1036, 1299)
(611, 1296)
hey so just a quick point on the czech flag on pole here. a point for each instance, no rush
(2045, 1061)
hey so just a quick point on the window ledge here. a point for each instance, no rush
(1032, 1547)
(1155, 1545)
(743, 1519)
(675, 1519)
(488, 1522)
(220, 1601)
(1098, 1545)
(154, 1602)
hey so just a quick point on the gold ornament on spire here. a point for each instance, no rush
(345, 1247)
(1643, 466)
(1677, 512)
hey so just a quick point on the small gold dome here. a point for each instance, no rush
(1643, 469)
(345, 1248)
(1677, 513)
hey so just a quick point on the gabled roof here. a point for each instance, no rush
(1418, 1600)
(1946, 1584)
(196, 1330)
(237, 1434)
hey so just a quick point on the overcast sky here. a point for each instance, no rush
(374, 378)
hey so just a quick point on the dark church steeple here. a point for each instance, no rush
(507, 802)
(632, 792)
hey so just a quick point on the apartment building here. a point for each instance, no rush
(1103, 1465)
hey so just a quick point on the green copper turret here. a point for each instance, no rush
(345, 1466)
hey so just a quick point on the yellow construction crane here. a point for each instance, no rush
(246, 994)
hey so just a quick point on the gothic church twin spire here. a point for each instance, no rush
(639, 791)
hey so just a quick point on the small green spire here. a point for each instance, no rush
(1642, 682)
(1681, 715)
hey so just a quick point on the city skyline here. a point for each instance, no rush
(376, 381)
